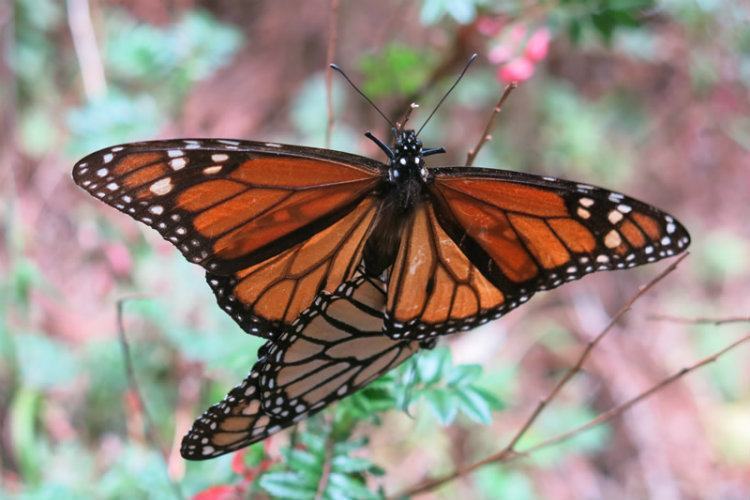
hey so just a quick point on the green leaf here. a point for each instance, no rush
(112, 119)
(305, 462)
(462, 11)
(22, 416)
(345, 447)
(185, 52)
(475, 405)
(395, 70)
(45, 363)
(353, 488)
(348, 465)
(464, 374)
(496, 481)
(314, 442)
(286, 485)
(431, 365)
(443, 405)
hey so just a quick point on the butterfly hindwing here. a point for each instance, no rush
(280, 288)
(334, 349)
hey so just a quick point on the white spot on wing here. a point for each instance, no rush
(612, 239)
(615, 216)
(177, 163)
(162, 186)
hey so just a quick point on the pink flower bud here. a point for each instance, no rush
(119, 259)
(489, 26)
(517, 34)
(220, 492)
(499, 54)
(518, 70)
(538, 44)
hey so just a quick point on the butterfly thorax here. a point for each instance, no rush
(405, 187)
(408, 161)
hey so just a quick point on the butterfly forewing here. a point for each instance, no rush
(240, 208)
(335, 348)
(523, 234)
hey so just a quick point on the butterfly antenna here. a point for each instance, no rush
(341, 71)
(463, 71)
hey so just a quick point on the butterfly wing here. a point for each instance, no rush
(289, 218)
(333, 349)
(493, 238)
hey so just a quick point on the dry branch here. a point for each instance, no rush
(327, 465)
(86, 48)
(565, 436)
(509, 452)
(330, 54)
(618, 410)
(486, 136)
(699, 321)
(149, 429)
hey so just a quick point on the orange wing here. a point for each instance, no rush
(487, 240)
(433, 286)
(264, 296)
(334, 349)
(244, 210)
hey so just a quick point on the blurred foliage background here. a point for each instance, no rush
(647, 97)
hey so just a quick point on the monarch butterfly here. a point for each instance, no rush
(286, 233)
(275, 225)
(332, 350)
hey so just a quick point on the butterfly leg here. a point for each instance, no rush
(428, 343)
(388, 152)
(433, 151)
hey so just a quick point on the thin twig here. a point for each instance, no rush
(86, 48)
(327, 463)
(699, 321)
(293, 440)
(330, 54)
(149, 428)
(565, 436)
(618, 410)
(460, 49)
(400, 125)
(472, 154)
(509, 450)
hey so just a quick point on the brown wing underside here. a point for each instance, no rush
(331, 351)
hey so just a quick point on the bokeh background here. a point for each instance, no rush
(650, 98)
